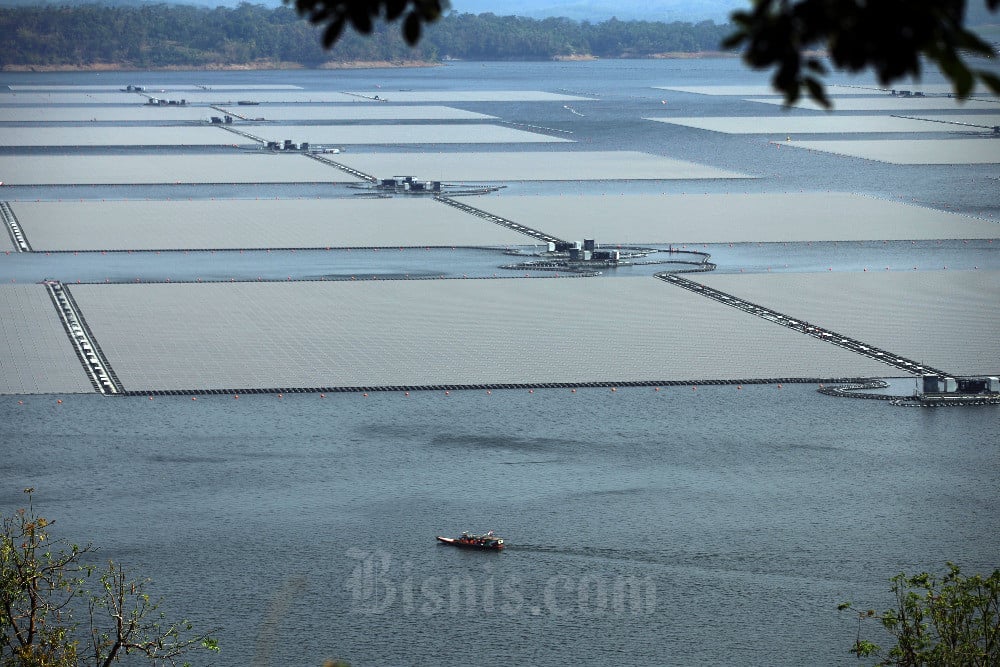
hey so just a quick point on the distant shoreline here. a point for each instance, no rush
(220, 67)
(349, 64)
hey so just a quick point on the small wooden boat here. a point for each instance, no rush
(487, 542)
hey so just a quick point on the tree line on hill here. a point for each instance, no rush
(163, 35)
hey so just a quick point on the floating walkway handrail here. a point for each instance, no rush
(608, 384)
(95, 363)
(14, 230)
(540, 127)
(228, 112)
(827, 335)
(343, 167)
(371, 98)
(856, 390)
(496, 219)
(995, 128)
(252, 137)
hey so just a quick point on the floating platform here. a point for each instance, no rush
(888, 103)
(249, 224)
(227, 96)
(39, 98)
(983, 150)
(137, 113)
(696, 218)
(118, 136)
(155, 168)
(351, 112)
(832, 89)
(465, 133)
(36, 356)
(389, 95)
(827, 124)
(945, 319)
(441, 332)
(534, 166)
(19, 87)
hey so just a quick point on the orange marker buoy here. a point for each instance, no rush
(194, 398)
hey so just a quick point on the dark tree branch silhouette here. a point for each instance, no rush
(890, 37)
(361, 14)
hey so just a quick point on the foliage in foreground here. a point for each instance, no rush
(889, 37)
(44, 589)
(952, 620)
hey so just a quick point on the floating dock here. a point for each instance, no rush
(946, 320)
(735, 218)
(36, 355)
(253, 224)
(354, 112)
(130, 136)
(325, 335)
(983, 150)
(155, 168)
(822, 124)
(534, 166)
(465, 133)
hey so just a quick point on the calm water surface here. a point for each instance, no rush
(683, 526)
(708, 525)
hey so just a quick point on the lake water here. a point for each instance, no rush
(683, 526)
(689, 525)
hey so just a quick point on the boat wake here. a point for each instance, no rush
(604, 553)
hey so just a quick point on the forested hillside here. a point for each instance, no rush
(187, 36)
